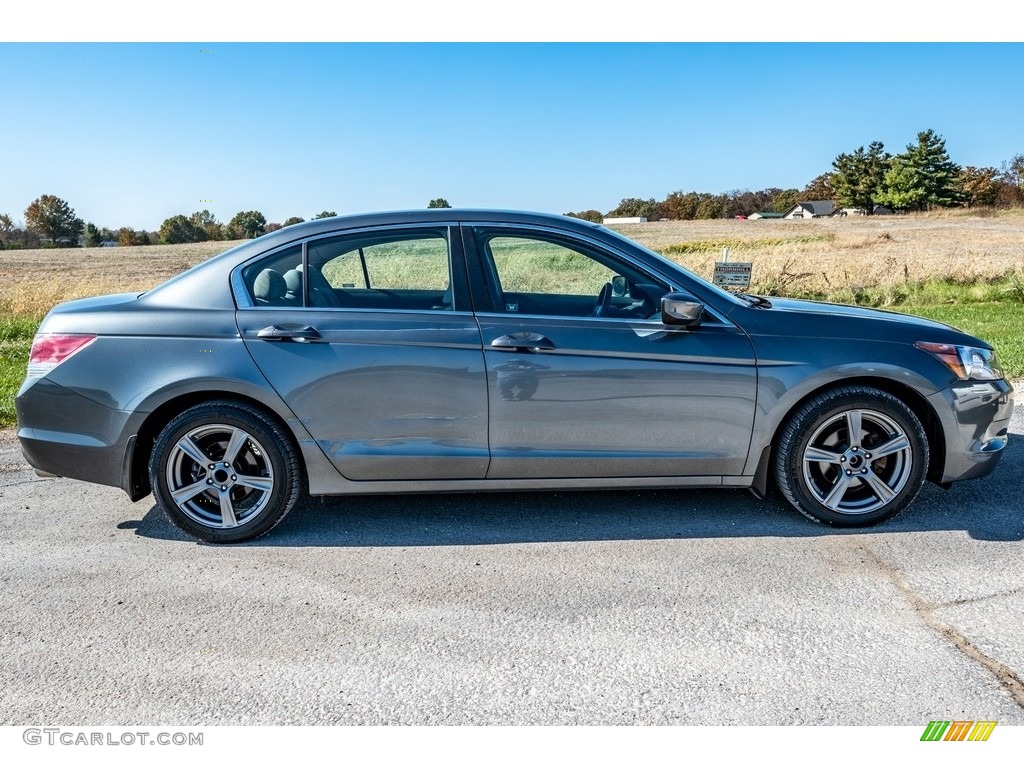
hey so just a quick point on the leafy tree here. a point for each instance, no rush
(709, 207)
(858, 177)
(92, 235)
(743, 202)
(904, 190)
(785, 200)
(438, 202)
(680, 205)
(53, 219)
(325, 215)
(589, 215)
(127, 236)
(292, 220)
(979, 186)
(206, 222)
(922, 177)
(1011, 182)
(248, 224)
(634, 206)
(177, 229)
(8, 232)
(819, 188)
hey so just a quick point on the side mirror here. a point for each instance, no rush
(681, 309)
(619, 286)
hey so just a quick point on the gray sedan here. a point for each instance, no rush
(466, 350)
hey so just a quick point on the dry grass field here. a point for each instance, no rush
(824, 257)
(33, 281)
(827, 255)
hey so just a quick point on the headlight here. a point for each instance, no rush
(975, 363)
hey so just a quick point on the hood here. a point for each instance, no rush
(798, 318)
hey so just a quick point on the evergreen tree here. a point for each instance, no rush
(858, 177)
(923, 177)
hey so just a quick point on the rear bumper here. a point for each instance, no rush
(67, 434)
(975, 417)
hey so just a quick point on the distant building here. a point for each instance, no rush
(812, 209)
(625, 220)
(766, 215)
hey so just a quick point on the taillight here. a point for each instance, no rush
(51, 349)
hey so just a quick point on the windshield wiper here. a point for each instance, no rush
(756, 301)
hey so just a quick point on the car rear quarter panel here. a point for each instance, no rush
(85, 413)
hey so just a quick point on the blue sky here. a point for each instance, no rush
(130, 134)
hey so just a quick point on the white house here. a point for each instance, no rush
(812, 209)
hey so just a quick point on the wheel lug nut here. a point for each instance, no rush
(842, 458)
(849, 472)
(212, 466)
(233, 478)
(223, 487)
(864, 471)
(867, 455)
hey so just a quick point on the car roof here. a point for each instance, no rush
(428, 215)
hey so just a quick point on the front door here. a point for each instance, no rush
(585, 381)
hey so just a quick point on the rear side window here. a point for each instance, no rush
(277, 281)
(417, 263)
(401, 269)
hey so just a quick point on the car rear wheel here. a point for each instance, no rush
(224, 472)
(852, 456)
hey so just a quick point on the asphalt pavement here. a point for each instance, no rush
(695, 607)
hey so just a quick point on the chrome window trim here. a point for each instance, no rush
(656, 324)
(364, 310)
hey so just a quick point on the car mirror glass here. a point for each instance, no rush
(680, 309)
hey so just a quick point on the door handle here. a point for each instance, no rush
(303, 333)
(523, 341)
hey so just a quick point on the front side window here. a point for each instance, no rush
(543, 275)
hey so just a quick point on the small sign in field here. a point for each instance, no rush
(732, 274)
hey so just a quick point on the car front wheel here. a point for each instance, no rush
(224, 472)
(852, 456)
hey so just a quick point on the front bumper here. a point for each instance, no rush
(975, 419)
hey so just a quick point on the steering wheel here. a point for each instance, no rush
(604, 301)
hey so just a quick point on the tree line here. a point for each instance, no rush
(51, 223)
(921, 178)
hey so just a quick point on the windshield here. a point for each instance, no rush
(711, 287)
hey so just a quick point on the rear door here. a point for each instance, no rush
(585, 380)
(370, 339)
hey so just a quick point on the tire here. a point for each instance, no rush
(847, 484)
(220, 497)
